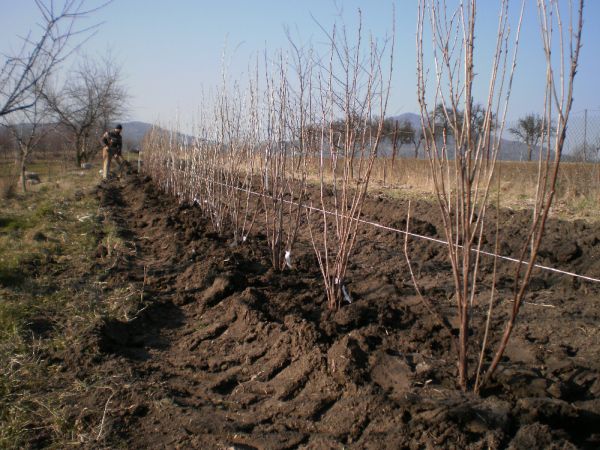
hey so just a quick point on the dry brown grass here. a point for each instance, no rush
(8, 180)
(577, 192)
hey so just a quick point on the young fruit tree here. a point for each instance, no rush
(462, 143)
(353, 90)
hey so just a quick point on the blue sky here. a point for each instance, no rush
(170, 51)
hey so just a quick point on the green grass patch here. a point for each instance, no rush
(11, 223)
(47, 242)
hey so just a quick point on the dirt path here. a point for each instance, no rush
(229, 354)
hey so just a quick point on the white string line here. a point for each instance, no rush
(396, 230)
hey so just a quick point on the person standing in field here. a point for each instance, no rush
(112, 142)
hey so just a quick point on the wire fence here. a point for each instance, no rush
(374, 224)
(583, 136)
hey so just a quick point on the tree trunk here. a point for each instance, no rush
(394, 146)
(417, 145)
(80, 150)
(22, 166)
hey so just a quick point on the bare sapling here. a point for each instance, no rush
(353, 93)
(244, 165)
(156, 155)
(560, 77)
(175, 164)
(462, 143)
(243, 123)
(204, 190)
(229, 160)
(214, 156)
(240, 167)
(283, 170)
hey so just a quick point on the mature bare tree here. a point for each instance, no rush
(398, 134)
(24, 74)
(529, 130)
(446, 122)
(28, 130)
(92, 96)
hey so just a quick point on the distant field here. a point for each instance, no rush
(577, 193)
(50, 169)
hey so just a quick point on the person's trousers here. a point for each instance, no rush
(106, 157)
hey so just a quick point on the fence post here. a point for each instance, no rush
(585, 117)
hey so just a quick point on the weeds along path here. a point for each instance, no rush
(222, 352)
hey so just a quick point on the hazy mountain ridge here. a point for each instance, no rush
(134, 132)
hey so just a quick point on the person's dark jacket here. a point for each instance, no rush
(113, 141)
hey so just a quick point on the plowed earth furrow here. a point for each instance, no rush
(229, 354)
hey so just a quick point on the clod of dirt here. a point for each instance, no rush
(567, 252)
(523, 382)
(352, 316)
(221, 288)
(347, 361)
(101, 251)
(540, 437)
(392, 373)
(553, 412)
(115, 334)
(560, 251)
(39, 237)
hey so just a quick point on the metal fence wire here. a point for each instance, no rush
(583, 136)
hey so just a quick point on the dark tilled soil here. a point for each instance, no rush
(230, 354)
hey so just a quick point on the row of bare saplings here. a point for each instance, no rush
(256, 150)
(320, 119)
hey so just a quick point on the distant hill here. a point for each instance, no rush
(134, 132)
(412, 118)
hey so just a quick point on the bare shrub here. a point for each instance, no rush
(355, 86)
(462, 149)
(283, 153)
